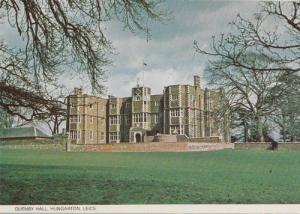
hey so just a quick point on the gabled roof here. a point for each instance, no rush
(23, 132)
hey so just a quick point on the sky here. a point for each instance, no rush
(169, 53)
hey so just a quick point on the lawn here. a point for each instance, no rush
(228, 176)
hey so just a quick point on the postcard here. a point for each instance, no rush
(149, 106)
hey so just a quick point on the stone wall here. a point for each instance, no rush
(264, 146)
(43, 144)
(165, 138)
(289, 146)
(154, 147)
(182, 138)
(25, 141)
(56, 147)
(209, 146)
(205, 139)
(123, 147)
(133, 147)
(148, 138)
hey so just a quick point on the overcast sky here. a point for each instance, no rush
(169, 53)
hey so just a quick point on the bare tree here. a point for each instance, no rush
(287, 113)
(56, 119)
(274, 32)
(250, 93)
(251, 61)
(6, 120)
(54, 122)
(60, 37)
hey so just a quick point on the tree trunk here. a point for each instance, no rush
(259, 129)
(292, 127)
(283, 128)
(245, 131)
(293, 138)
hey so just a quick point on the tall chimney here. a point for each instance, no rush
(197, 81)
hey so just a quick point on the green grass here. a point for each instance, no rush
(49, 177)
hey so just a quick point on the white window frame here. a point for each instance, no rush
(181, 112)
(175, 112)
(156, 118)
(74, 134)
(75, 119)
(114, 120)
(181, 129)
(113, 136)
(175, 129)
(174, 97)
(113, 106)
(140, 118)
(192, 98)
(91, 135)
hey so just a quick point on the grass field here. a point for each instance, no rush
(51, 177)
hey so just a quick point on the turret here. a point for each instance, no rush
(197, 81)
(78, 91)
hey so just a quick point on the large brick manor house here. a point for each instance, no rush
(184, 110)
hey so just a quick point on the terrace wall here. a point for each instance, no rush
(48, 146)
(133, 147)
(205, 139)
(119, 147)
(209, 146)
(263, 146)
(154, 147)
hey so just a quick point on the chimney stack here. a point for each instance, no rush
(78, 91)
(197, 81)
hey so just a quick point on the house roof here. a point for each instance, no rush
(23, 132)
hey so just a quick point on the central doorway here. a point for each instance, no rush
(138, 138)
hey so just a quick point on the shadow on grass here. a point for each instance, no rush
(38, 184)
(33, 184)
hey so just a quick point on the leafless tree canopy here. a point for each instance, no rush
(274, 33)
(255, 64)
(60, 36)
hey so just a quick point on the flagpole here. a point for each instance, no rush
(143, 77)
(144, 68)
